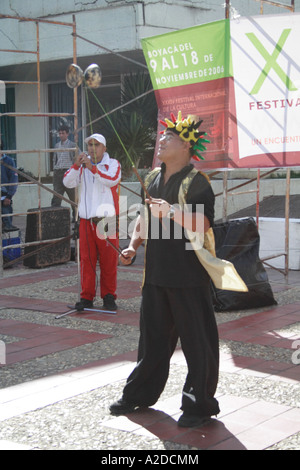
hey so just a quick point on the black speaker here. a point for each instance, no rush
(55, 223)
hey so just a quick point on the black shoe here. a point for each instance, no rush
(10, 228)
(109, 303)
(122, 407)
(83, 303)
(192, 421)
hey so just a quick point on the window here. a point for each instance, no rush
(8, 123)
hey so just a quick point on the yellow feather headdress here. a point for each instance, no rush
(187, 129)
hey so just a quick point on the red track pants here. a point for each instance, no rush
(92, 249)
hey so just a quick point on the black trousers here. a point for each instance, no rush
(166, 315)
(59, 188)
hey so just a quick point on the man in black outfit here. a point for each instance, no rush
(176, 296)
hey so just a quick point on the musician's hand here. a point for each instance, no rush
(85, 160)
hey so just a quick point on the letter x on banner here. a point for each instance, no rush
(242, 77)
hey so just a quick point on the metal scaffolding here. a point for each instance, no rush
(38, 114)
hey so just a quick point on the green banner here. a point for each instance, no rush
(189, 56)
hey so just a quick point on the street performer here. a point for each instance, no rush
(99, 176)
(176, 295)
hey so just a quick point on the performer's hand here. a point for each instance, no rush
(159, 208)
(78, 159)
(127, 255)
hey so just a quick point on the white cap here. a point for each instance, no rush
(99, 137)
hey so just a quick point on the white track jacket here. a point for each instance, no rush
(99, 187)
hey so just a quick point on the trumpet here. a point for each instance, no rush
(92, 76)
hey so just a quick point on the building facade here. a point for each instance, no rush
(39, 40)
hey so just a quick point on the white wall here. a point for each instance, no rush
(31, 133)
(268, 187)
(272, 231)
(27, 195)
(114, 26)
(118, 25)
(272, 241)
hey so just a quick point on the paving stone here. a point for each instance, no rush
(62, 374)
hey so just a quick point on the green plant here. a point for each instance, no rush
(135, 123)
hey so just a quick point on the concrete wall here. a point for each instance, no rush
(118, 25)
(272, 241)
(113, 25)
(31, 133)
(272, 231)
(27, 195)
(268, 187)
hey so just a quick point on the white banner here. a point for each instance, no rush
(265, 61)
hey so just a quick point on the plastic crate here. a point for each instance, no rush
(10, 254)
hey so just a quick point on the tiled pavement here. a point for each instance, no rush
(68, 370)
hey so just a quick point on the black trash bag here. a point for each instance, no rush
(237, 241)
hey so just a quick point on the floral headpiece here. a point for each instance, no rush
(187, 130)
